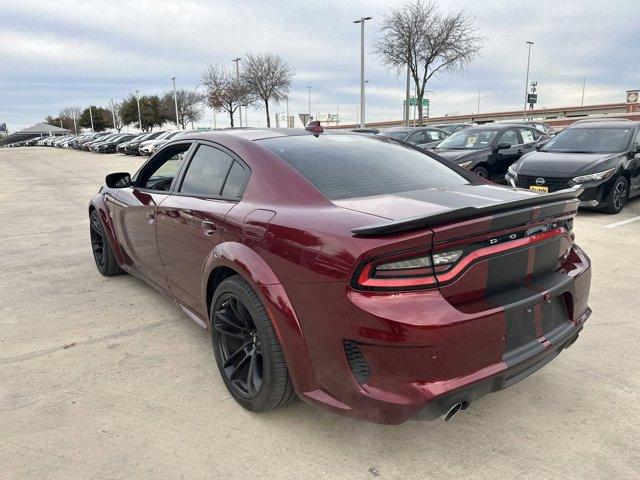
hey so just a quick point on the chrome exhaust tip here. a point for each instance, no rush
(453, 410)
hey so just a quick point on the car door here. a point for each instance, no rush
(191, 221)
(505, 157)
(135, 212)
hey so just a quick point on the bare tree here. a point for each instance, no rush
(189, 102)
(67, 115)
(431, 43)
(268, 77)
(224, 91)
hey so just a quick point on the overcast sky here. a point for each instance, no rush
(62, 53)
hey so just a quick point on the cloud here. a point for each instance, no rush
(56, 54)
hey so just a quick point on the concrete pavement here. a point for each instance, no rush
(104, 378)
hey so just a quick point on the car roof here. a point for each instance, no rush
(248, 133)
(617, 123)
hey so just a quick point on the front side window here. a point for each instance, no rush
(417, 138)
(351, 166)
(160, 174)
(528, 135)
(207, 172)
(510, 136)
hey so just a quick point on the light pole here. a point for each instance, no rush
(478, 101)
(237, 62)
(406, 98)
(113, 113)
(526, 84)
(139, 115)
(91, 117)
(361, 22)
(175, 100)
(309, 88)
(584, 80)
(75, 127)
(287, 101)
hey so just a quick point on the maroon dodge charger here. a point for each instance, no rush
(357, 273)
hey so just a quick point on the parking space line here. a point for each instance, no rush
(623, 222)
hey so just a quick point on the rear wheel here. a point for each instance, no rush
(618, 195)
(481, 172)
(246, 348)
(102, 253)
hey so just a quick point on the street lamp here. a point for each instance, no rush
(584, 80)
(175, 100)
(309, 88)
(361, 22)
(526, 84)
(139, 116)
(237, 62)
(478, 101)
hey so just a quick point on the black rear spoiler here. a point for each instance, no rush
(455, 215)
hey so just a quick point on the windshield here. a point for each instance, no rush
(351, 166)
(590, 140)
(469, 140)
(395, 135)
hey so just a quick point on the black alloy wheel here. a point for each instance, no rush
(246, 348)
(239, 345)
(481, 172)
(97, 241)
(102, 253)
(618, 195)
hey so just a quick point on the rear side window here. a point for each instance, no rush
(236, 182)
(349, 166)
(207, 171)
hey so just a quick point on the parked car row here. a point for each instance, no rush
(601, 156)
(110, 142)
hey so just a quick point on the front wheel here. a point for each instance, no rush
(246, 348)
(481, 172)
(618, 195)
(102, 252)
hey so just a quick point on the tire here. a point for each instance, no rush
(617, 196)
(481, 172)
(102, 252)
(246, 348)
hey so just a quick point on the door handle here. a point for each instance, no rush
(209, 228)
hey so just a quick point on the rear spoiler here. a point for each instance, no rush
(455, 215)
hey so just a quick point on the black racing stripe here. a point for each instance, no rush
(509, 219)
(546, 256)
(554, 314)
(520, 328)
(506, 271)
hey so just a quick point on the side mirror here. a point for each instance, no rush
(118, 180)
(503, 146)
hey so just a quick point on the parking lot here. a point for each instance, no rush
(106, 378)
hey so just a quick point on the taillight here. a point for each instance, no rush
(408, 272)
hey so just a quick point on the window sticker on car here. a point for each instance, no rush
(471, 141)
(527, 136)
(434, 135)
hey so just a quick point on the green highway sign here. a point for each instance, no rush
(413, 102)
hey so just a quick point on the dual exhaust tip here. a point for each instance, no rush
(455, 408)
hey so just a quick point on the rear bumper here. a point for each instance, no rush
(424, 354)
(509, 376)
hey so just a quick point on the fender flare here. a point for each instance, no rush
(255, 270)
(98, 203)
